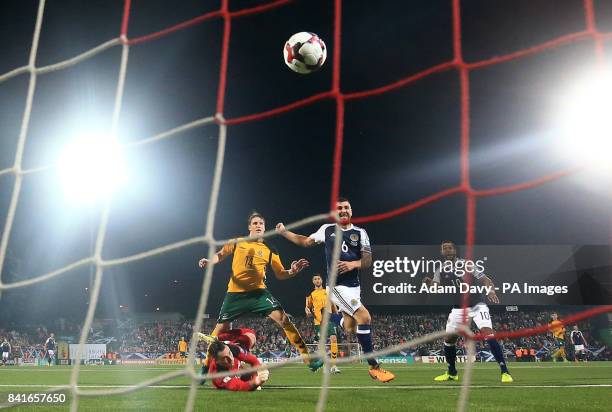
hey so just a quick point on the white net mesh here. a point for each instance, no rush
(207, 239)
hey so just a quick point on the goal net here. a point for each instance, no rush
(218, 119)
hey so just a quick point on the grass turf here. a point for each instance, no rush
(538, 387)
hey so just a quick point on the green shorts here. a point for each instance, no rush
(331, 329)
(236, 304)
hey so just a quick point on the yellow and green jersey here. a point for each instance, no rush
(249, 264)
(557, 329)
(316, 302)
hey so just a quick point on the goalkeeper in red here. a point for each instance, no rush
(226, 352)
(355, 254)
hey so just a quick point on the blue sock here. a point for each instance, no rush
(364, 336)
(496, 350)
(336, 318)
(450, 353)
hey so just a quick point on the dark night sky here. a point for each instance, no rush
(398, 147)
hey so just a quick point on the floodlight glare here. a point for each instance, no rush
(91, 167)
(586, 121)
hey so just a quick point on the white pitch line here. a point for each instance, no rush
(594, 385)
(598, 385)
(406, 367)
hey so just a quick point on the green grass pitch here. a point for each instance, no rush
(537, 387)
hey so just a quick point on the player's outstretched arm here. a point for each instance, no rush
(261, 376)
(299, 240)
(225, 251)
(281, 273)
(202, 263)
(236, 384)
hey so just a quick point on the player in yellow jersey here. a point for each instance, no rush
(247, 292)
(182, 347)
(558, 331)
(315, 303)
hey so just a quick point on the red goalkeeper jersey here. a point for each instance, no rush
(239, 382)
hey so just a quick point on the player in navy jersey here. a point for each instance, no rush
(355, 254)
(579, 343)
(477, 310)
(50, 348)
(5, 348)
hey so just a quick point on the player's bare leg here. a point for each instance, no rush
(220, 327)
(282, 320)
(348, 323)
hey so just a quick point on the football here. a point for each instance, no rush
(305, 52)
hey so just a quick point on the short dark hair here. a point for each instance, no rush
(342, 199)
(317, 274)
(445, 242)
(214, 349)
(255, 214)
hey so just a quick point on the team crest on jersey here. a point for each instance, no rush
(354, 237)
(260, 253)
(353, 302)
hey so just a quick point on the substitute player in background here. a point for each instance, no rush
(182, 347)
(247, 292)
(315, 303)
(477, 310)
(355, 254)
(558, 332)
(226, 351)
(580, 343)
(5, 348)
(50, 346)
